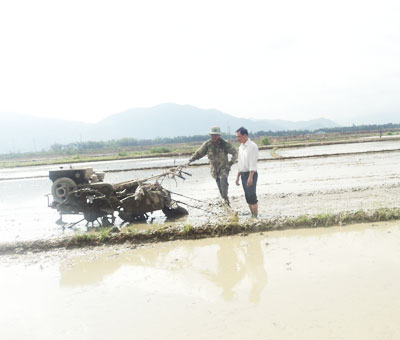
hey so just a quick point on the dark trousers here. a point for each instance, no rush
(223, 185)
(249, 192)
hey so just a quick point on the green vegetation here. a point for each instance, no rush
(265, 141)
(389, 133)
(341, 129)
(104, 234)
(274, 154)
(301, 220)
(79, 147)
(83, 238)
(130, 148)
(160, 232)
(386, 214)
(187, 228)
(160, 150)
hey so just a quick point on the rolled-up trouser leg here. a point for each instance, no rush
(250, 192)
(222, 182)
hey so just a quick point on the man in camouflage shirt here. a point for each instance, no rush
(217, 150)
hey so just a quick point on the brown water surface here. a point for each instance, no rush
(328, 283)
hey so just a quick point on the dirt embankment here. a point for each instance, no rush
(230, 226)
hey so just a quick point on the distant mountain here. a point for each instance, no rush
(22, 133)
(171, 120)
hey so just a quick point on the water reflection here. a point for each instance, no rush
(233, 265)
(230, 269)
(255, 269)
(238, 259)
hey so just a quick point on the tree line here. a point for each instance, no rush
(130, 142)
(123, 142)
(343, 129)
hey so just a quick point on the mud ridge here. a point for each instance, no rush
(333, 191)
(230, 226)
(280, 158)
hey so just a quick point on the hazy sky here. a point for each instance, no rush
(286, 59)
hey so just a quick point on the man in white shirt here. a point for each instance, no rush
(247, 168)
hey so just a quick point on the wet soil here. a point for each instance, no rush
(287, 189)
(229, 225)
(339, 282)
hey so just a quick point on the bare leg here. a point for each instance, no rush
(254, 209)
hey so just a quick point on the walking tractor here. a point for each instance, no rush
(83, 191)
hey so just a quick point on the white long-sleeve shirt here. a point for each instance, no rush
(248, 156)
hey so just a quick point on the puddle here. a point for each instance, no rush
(335, 283)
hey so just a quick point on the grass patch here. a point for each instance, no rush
(274, 154)
(387, 214)
(104, 234)
(160, 233)
(301, 220)
(160, 150)
(265, 141)
(324, 220)
(187, 228)
(83, 239)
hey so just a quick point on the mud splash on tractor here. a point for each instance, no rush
(81, 191)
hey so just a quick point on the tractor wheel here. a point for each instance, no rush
(174, 212)
(61, 188)
(132, 217)
(92, 215)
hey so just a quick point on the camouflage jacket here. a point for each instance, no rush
(218, 156)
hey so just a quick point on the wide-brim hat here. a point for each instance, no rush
(215, 130)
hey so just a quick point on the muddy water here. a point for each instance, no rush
(334, 283)
(340, 148)
(43, 170)
(328, 185)
(285, 188)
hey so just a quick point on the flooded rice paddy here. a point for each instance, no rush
(344, 148)
(289, 187)
(322, 283)
(334, 283)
